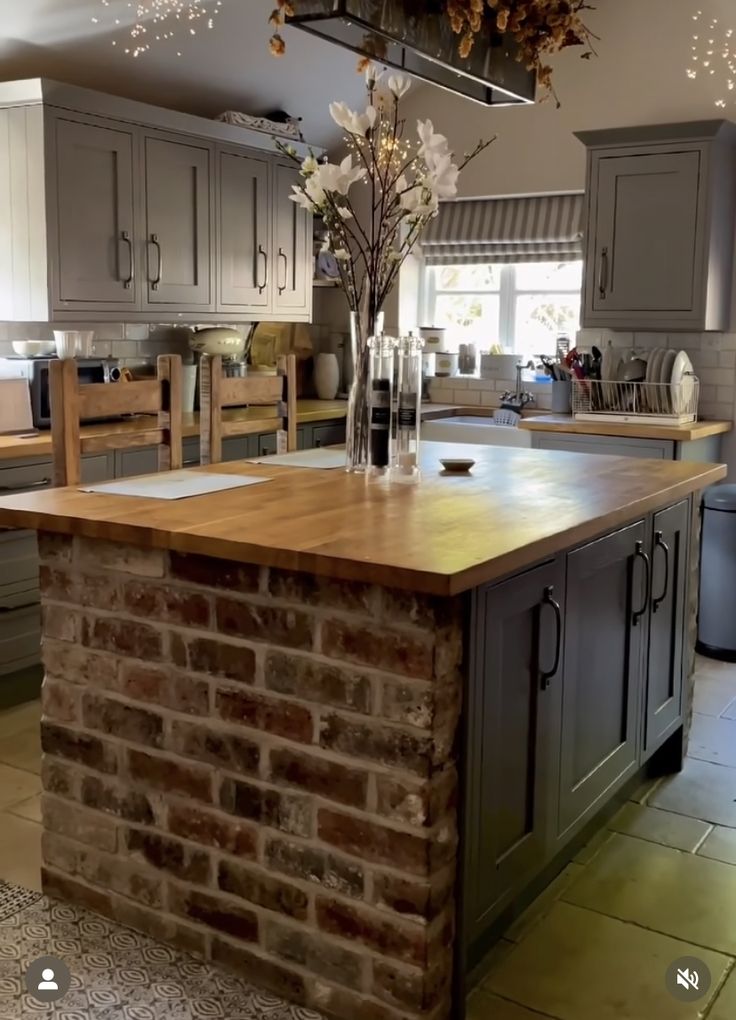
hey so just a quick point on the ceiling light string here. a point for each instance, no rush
(711, 43)
(158, 21)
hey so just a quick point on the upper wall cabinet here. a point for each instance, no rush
(110, 208)
(660, 227)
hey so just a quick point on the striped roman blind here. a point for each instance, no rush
(533, 228)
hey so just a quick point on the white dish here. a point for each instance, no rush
(34, 348)
(230, 343)
(74, 343)
(665, 375)
(653, 367)
(610, 368)
(682, 381)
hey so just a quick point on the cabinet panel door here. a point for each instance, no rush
(606, 590)
(178, 241)
(329, 435)
(645, 449)
(292, 227)
(245, 264)
(667, 624)
(648, 233)
(94, 261)
(512, 745)
(141, 460)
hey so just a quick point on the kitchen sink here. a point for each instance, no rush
(474, 429)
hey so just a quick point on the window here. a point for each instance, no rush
(522, 307)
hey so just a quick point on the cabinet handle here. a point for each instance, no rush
(548, 599)
(160, 270)
(262, 286)
(640, 554)
(603, 273)
(15, 609)
(24, 488)
(660, 543)
(285, 257)
(128, 282)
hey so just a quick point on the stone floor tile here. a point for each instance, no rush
(542, 905)
(579, 965)
(22, 750)
(724, 1007)
(22, 717)
(659, 826)
(643, 792)
(591, 848)
(713, 693)
(702, 790)
(20, 851)
(713, 740)
(30, 809)
(682, 895)
(730, 712)
(721, 846)
(484, 1006)
(16, 785)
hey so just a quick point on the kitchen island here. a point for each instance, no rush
(256, 704)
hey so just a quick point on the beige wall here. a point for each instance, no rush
(638, 77)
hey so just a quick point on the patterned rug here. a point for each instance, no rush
(13, 899)
(117, 974)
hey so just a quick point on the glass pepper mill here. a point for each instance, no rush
(381, 403)
(405, 467)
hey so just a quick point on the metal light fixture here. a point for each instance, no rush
(411, 36)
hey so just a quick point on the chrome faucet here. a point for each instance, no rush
(519, 400)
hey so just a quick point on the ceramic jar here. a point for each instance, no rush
(326, 376)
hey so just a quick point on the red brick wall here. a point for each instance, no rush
(257, 766)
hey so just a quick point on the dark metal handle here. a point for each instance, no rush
(603, 274)
(160, 271)
(548, 599)
(23, 488)
(660, 542)
(285, 257)
(640, 554)
(262, 286)
(26, 605)
(128, 282)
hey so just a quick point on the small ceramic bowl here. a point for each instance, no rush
(457, 465)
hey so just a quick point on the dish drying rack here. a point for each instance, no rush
(639, 402)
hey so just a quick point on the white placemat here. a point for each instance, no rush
(325, 459)
(173, 484)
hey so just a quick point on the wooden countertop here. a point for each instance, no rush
(259, 419)
(443, 536)
(677, 433)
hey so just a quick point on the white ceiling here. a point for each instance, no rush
(226, 68)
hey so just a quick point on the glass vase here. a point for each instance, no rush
(357, 439)
(405, 466)
(382, 386)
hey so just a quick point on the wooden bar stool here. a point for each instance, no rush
(71, 404)
(218, 392)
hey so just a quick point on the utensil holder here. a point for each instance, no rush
(561, 396)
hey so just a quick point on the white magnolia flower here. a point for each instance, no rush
(373, 74)
(309, 166)
(342, 254)
(338, 177)
(443, 176)
(315, 189)
(352, 122)
(398, 85)
(433, 145)
(300, 197)
(419, 201)
(345, 213)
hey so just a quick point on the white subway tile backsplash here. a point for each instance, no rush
(136, 331)
(726, 359)
(725, 395)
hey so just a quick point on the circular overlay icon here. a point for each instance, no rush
(688, 979)
(48, 979)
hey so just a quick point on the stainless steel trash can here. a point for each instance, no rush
(717, 614)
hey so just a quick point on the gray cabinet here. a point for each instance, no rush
(328, 434)
(178, 216)
(667, 621)
(705, 451)
(245, 262)
(604, 639)
(292, 246)
(512, 717)
(660, 219)
(93, 229)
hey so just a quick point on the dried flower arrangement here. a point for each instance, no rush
(539, 28)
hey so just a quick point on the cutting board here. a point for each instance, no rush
(15, 406)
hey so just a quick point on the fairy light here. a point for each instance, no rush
(159, 21)
(713, 53)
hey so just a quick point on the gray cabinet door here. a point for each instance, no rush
(177, 239)
(329, 434)
(667, 625)
(512, 739)
(650, 449)
(604, 640)
(245, 262)
(93, 253)
(142, 460)
(648, 233)
(292, 246)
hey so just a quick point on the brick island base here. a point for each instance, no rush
(256, 766)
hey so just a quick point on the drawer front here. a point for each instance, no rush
(36, 474)
(267, 444)
(139, 461)
(190, 452)
(328, 435)
(20, 638)
(236, 448)
(645, 449)
(18, 566)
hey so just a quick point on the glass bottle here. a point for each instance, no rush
(406, 449)
(381, 402)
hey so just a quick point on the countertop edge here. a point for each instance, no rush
(622, 430)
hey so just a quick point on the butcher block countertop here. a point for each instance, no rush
(442, 536)
(676, 433)
(259, 419)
